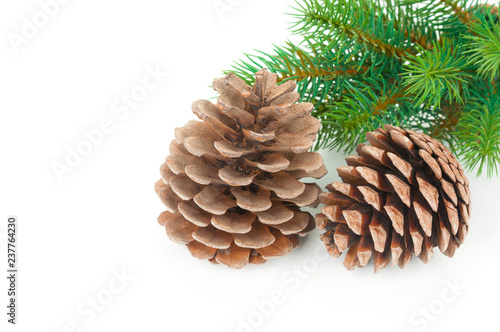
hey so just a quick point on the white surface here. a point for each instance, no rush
(102, 217)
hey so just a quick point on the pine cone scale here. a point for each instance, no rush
(252, 201)
(180, 230)
(280, 247)
(402, 189)
(214, 201)
(258, 237)
(194, 214)
(235, 256)
(212, 237)
(200, 146)
(234, 178)
(295, 225)
(276, 214)
(283, 184)
(234, 223)
(272, 163)
(200, 251)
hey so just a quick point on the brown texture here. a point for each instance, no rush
(402, 195)
(231, 182)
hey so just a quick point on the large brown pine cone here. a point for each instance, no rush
(403, 195)
(230, 183)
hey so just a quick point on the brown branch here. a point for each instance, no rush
(389, 99)
(462, 15)
(387, 48)
(315, 71)
(448, 123)
(419, 40)
(361, 35)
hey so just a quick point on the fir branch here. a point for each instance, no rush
(426, 65)
(445, 123)
(485, 46)
(438, 74)
(420, 35)
(350, 19)
(447, 17)
(480, 135)
(462, 15)
(385, 101)
(316, 77)
(291, 63)
(478, 130)
(364, 106)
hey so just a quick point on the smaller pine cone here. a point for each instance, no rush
(403, 195)
(231, 182)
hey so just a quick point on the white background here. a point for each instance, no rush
(76, 234)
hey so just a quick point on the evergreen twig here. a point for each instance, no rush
(428, 65)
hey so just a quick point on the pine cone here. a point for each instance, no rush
(404, 194)
(230, 183)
